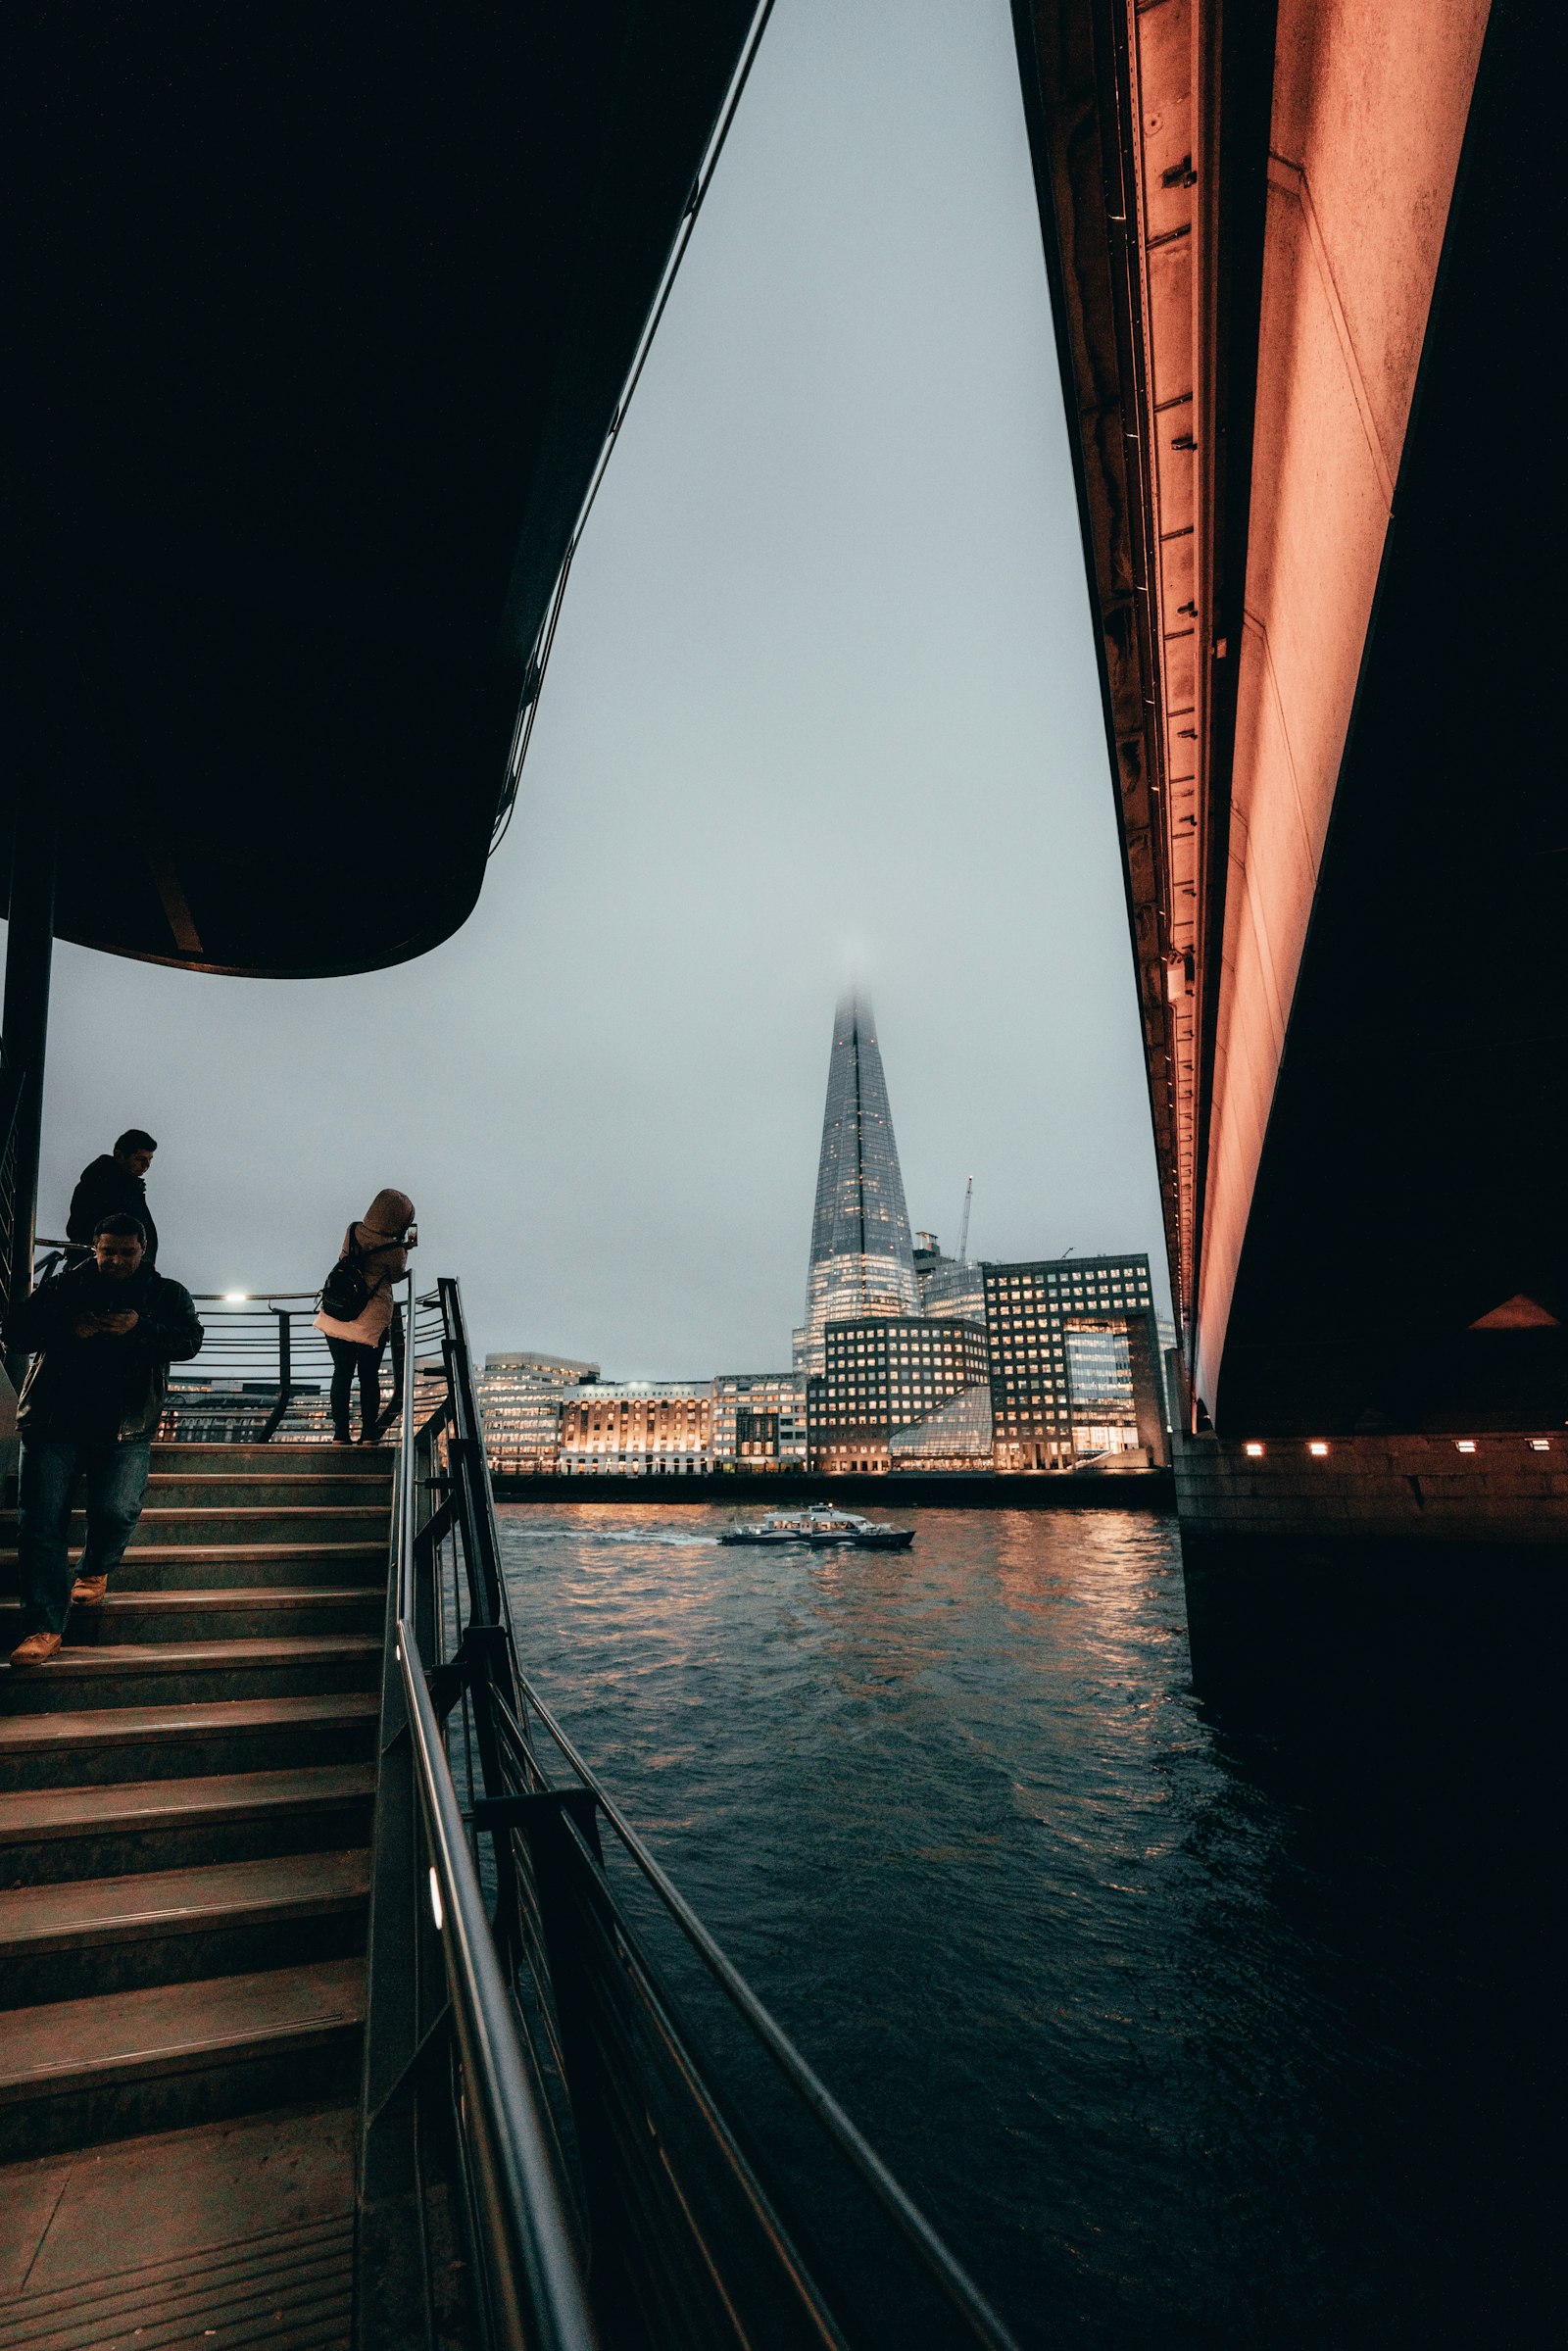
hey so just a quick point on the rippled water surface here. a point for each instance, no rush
(1182, 2035)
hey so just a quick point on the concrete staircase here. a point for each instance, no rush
(185, 1800)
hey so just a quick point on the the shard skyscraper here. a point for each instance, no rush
(862, 1258)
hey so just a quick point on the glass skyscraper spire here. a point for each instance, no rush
(862, 1258)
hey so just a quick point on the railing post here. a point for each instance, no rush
(285, 1376)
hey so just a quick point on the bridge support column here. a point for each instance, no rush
(30, 952)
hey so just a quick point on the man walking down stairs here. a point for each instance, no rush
(186, 1789)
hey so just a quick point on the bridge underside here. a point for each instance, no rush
(1300, 272)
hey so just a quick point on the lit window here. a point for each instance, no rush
(1539, 1445)
(1464, 1445)
(1317, 1447)
(1254, 1452)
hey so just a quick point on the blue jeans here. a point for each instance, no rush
(116, 1480)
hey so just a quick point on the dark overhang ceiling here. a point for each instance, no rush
(319, 319)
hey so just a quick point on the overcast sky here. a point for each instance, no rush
(822, 704)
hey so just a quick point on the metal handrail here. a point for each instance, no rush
(538, 2296)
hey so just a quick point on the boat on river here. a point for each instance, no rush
(824, 1528)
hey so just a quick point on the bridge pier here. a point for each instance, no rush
(1423, 1571)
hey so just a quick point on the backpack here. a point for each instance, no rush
(345, 1294)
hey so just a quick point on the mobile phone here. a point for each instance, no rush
(411, 1239)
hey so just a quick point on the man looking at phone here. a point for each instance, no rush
(102, 1338)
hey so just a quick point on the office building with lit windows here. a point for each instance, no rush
(861, 1261)
(1074, 1364)
(759, 1420)
(885, 1379)
(637, 1428)
(521, 1396)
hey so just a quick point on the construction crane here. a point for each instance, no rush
(963, 1229)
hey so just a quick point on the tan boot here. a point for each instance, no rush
(89, 1590)
(36, 1649)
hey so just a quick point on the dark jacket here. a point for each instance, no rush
(106, 1189)
(122, 1379)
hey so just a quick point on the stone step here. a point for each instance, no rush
(162, 1672)
(151, 1672)
(239, 1522)
(201, 1488)
(235, 1612)
(76, 2072)
(180, 2202)
(287, 2290)
(48, 1834)
(96, 1748)
(274, 1460)
(169, 1567)
(112, 1934)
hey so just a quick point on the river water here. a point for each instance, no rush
(1182, 2033)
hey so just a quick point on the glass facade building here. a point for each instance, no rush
(520, 1397)
(960, 1435)
(887, 1376)
(863, 1263)
(1074, 1363)
(759, 1420)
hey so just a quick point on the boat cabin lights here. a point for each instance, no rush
(1464, 1445)
(1541, 1445)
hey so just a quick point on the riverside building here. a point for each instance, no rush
(520, 1397)
(886, 1380)
(759, 1420)
(1074, 1363)
(862, 1260)
(637, 1428)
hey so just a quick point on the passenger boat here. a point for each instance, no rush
(822, 1527)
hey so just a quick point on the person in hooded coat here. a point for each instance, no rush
(114, 1185)
(380, 1244)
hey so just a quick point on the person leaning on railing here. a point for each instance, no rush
(102, 1338)
(378, 1250)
